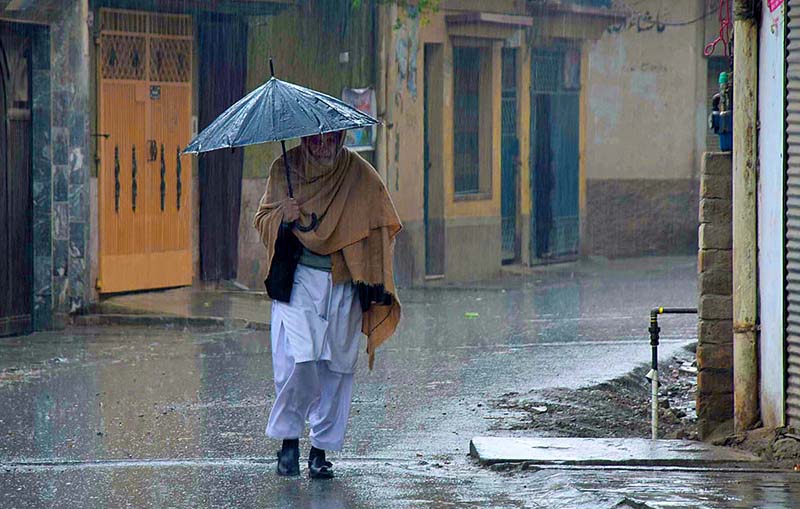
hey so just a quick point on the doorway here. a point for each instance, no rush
(433, 164)
(145, 203)
(224, 67)
(555, 132)
(16, 224)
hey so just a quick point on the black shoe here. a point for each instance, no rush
(318, 468)
(289, 458)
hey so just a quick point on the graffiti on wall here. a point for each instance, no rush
(640, 22)
(406, 49)
(776, 15)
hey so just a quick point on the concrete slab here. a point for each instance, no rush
(604, 451)
(193, 302)
(134, 319)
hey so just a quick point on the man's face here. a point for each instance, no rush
(324, 147)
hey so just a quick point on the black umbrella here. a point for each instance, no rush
(278, 111)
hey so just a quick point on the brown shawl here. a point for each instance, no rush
(357, 228)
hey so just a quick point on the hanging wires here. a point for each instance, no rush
(723, 11)
(668, 23)
(691, 21)
(724, 36)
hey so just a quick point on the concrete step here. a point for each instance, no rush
(148, 320)
(604, 452)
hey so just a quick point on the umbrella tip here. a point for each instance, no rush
(271, 68)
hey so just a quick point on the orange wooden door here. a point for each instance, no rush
(144, 184)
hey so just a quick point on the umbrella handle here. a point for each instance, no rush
(311, 226)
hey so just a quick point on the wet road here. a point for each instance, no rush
(137, 417)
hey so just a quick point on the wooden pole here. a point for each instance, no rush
(745, 240)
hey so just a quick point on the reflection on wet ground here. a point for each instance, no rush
(389, 483)
(127, 416)
(194, 302)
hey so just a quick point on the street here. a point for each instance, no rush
(468, 224)
(156, 416)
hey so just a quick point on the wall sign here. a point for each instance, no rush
(363, 99)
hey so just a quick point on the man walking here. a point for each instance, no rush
(342, 288)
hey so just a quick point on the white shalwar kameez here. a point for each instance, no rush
(315, 341)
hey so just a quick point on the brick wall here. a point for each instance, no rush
(715, 285)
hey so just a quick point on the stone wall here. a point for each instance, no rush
(60, 155)
(42, 167)
(715, 285)
(70, 151)
(636, 217)
(640, 82)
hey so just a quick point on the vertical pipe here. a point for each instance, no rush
(653, 375)
(654, 405)
(745, 296)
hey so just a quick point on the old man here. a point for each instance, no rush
(330, 285)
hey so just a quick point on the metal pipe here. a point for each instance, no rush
(745, 289)
(654, 405)
(652, 375)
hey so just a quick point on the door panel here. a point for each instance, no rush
(16, 255)
(566, 230)
(170, 225)
(145, 108)
(555, 128)
(509, 157)
(123, 229)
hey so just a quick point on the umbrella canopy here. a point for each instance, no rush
(278, 111)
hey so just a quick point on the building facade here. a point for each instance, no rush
(166, 220)
(501, 135)
(99, 97)
(325, 45)
(45, 164)
(777, 351)
(481, 138)
(649, 90)
(455, 92)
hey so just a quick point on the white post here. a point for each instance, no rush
(654, 403)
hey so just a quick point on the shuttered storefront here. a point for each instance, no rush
(792, 207)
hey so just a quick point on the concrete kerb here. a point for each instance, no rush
(107, 314)
(149, 320)
(609, 452)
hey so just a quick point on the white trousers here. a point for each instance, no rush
(310, 390)
(315, 340)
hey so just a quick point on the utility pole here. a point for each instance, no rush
(745, 240)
